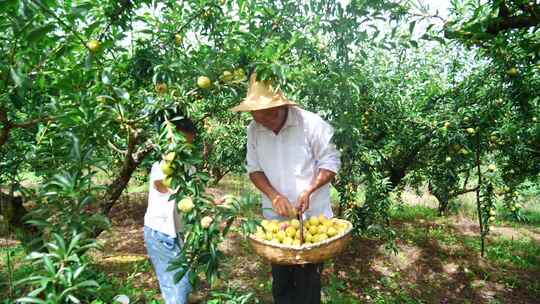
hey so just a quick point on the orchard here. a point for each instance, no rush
(436, 102)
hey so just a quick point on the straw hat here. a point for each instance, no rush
(261, 95)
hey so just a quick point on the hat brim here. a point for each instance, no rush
(248, 105)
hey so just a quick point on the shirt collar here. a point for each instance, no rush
(292, 120)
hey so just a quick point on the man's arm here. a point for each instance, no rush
(328, 158)
(160, 187)
(156, 178)
(323, 177)
(280, 203)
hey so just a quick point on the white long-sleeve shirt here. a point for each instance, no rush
(292, 158)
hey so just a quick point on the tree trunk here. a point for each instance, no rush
(119, 184)
(442, 196)
(218, 175)
(13, 211)
(116, 188)
(443, 202)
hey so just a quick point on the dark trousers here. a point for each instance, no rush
(297, 284)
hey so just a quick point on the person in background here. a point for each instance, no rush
(163, 227)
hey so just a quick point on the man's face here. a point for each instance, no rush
(270, 118)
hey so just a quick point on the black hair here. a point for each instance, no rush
(177, 118)
(185, 125)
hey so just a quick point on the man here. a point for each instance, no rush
(291, 160)
(162, 228)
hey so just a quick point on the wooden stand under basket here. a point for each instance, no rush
(305, 254)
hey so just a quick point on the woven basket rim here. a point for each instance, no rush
(304, 247)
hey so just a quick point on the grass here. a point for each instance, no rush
(335, 292)
(13, 268)
(377, 296)
(410, 213)
(522, 253)
(124, 279)
(237, 185)
(111, 283)
(466, 206)
(511, 261)
(429, 245)
(531, 211)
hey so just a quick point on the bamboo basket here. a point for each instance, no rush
(305, 254)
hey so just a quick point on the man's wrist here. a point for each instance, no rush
(310, 190)
(273, 196)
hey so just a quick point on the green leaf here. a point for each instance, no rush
(4, 4)
(38, 223)
(31, 300)
(180, 274)
(363, 53)
(30, 279)
(92, 27)
(439, 39)
(88, 283)
(60, 241)
(40, 289)
(88, 61)
(74, 242)
(73, 299)
(18, 79)
(78, 272)
(411, 27)
(147, 31)
(106, 76)
(121, 93)
(49, 265)
(38, 33)
(81, 9)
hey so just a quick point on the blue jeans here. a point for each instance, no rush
(162, 249)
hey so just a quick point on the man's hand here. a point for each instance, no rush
(160, 187)
(303, 200)
(323, 177)
(219, 201)
(282, 206)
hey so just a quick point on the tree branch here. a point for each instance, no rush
(133, 158)
(466, 179)
(463, 191)
(7, 125)
(4, 134)
(142, 152)
(503, 10)
(64, 25)
(191, 18)
(13, 211)
(3, 116)
(502, 24)
(115, 148)
(426, 16)
(131, 161)
(32, 122)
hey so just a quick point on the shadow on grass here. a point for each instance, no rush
(433, 274)
(532, 218)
